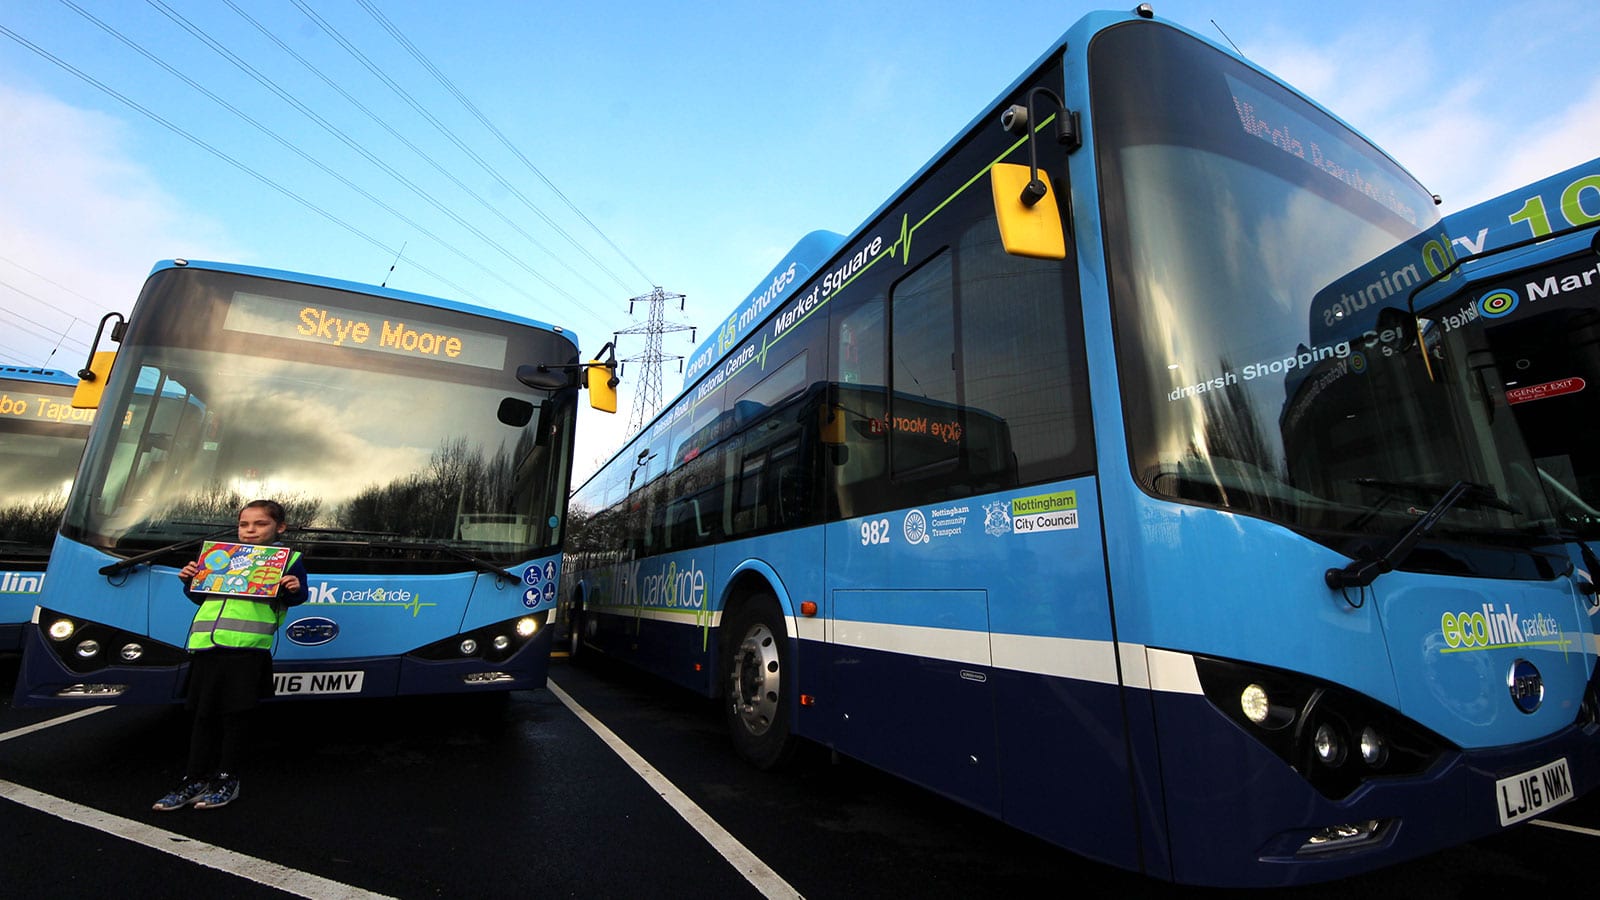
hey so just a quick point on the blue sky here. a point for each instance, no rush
(673, 144)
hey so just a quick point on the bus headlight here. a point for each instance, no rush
(1373, 750)
(131, 652)
(1332, 736)
(1253, 701)
(1329, 747)
(501, 642)
(89, 648)
(61, 629)
(526, 626)
(469, 647)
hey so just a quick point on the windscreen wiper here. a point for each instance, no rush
(123, 565)
(355, 532)
(21, 553)
(1362, 572)
(1482, 495)
(478, 563)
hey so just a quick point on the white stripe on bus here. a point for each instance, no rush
(1080, 659)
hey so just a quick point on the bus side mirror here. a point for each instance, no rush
(1032, 230)
(92, 380)
(601, 379)
(832, 425)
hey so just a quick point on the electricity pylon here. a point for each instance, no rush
(647, 396)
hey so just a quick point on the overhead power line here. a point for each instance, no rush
(472, 108)
(422, 154)
(198, 142)
(343, 138)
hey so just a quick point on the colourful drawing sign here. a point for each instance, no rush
(240, 570)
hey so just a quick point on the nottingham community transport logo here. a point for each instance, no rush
(1498, 303)
(915, 527)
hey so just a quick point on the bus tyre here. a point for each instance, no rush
(575, 623)
(755, 657)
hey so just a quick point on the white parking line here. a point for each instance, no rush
(50, 723)
(1562, 826)
(758, 873)
(302, 884)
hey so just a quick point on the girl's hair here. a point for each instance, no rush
(273, 508)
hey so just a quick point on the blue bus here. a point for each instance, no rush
(41, 439)
(1528, 280)
(1103, 481)
(422, 449)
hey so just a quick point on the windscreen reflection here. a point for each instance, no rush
(351, 453)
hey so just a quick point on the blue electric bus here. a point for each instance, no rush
(41, 439)
(1527, 276)
(421, 447)
(1103, 481)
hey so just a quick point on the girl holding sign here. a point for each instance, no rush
(230, 658)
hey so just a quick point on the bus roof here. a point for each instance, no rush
(38, 376)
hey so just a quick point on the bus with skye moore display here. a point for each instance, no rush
(1103, 482)
(41, 439)
(421, 447)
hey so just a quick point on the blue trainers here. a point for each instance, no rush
(221, 792)
(187, 793)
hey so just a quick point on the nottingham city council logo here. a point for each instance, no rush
(1498, 303)
(997, 517)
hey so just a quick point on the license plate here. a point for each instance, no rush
(1532, 792)
(290, 683)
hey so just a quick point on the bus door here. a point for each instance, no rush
(1545, 347)
(910, 675)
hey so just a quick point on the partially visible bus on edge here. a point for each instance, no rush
(1528, 278)
(422, 449)
(41, 440)
(1089, 495)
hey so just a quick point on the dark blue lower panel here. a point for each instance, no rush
(681, 653)
(10, 638)
(1238, 814)
(1048, 755)
(43, 677)
(527, 667)
(1065, 769)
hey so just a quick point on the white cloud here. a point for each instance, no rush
(73, 200)
(1466, 136)
(1558, 142)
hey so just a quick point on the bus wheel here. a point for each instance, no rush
(575, 651)
(756, 707)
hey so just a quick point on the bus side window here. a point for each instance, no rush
(1028, 423)
(686, 526)
(927, 375)
(857, 469)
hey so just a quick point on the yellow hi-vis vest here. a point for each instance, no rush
(236, 622)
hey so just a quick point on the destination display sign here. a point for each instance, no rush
(1326, 151)
(401, 334)
(37, 406)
